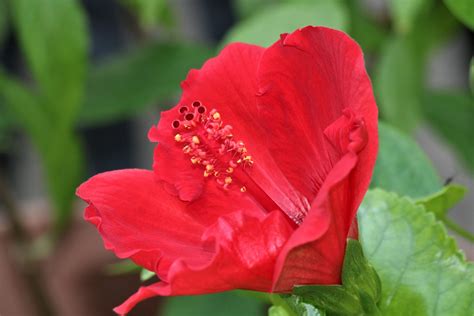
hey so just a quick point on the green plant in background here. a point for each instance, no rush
(46, 109)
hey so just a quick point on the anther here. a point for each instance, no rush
(230, 170)
(228, 180)
(178, 138)
(195, 160)
(216, 116)
(195, 140)
(209, 168)
(243, 189)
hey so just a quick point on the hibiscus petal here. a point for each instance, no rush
(314, 85)
(306, 82)
(246, 249)
(227, 83)
(138, 219)
(228, 79)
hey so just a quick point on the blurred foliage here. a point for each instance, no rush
(3, 21)
(151, 12)
(264, 28)
(53, 38)
(463, 10)
(369, 33)
(471, 76)
(402, 166)
(222, 304)
(405, 13)
(451, 114)
(127, 84)
(400, 74)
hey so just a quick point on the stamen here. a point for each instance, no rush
(195, 140)
(211, 144)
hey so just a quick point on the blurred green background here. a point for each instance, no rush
(82, 81)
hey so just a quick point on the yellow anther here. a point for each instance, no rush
(206, 174)
(243, 189)
(186, 149)
(228, 180)
(248, 158)
(178, 137)
(230, 170)
(242, 150)
(216, 116)
(239, 161)
(195, 140)
(209, 167)
(195, 160)
(217, 174)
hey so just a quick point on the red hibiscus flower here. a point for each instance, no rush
(258, 173)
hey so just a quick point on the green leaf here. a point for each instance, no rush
(402, 166)
(296, 307)
(421, 269)
(440, 202)
(265, 27)
(463, 10)
(59, 148)
(64, 165)
(53, 36)
(146, 275)
(123, 267)
(278, 311)
(333, 299)
(451, 114)
(405, 12)
(398, 83)
(23, 107)
(399, 76)
(129, 83)
(221, 304)
(359, 292)
(364, 29)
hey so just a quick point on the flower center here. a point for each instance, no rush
(210, 145)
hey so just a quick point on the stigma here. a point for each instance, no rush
(210, 144)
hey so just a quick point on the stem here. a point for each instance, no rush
(458, 229)
(29, 267)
